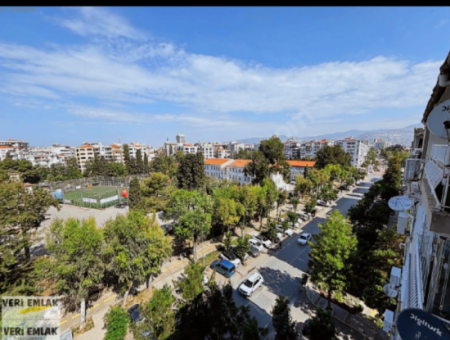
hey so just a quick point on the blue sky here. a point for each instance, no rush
(69, 75)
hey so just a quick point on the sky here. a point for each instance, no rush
(144, 74)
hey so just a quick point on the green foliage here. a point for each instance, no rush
(303, 186)
(292, 217)
(76, 252)
(116, 323)
(62, 172)
(332, 155)
(135, 248)
(310, 206)
(192, 225)
(214, 315)
(282, 197)
(127, 159)
(139, 162)
(134, 197)
(322, 326)
(156, 192)
(282, 321)
(100, 166)
(242, 246)
(28, 173)
(159, 315)
(258, 168)
(191, 172)
(165, 165)
(192, 285)
(295, 202)
(243, 154)
(272, 230)
(334, 245)
(228, 241)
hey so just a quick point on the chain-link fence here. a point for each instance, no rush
(97, 192)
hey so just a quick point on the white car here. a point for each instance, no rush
(323, 203)
(304, 238)
(288, 231)
(231, 257)
(264, 240)
(249, 286)
(257, 244)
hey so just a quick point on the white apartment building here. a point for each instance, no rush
(423, 281)
(180, 138)
(207, 149)
(292, 149)
(380, 144)
(310, 149)
(187, 148)
(87, 151)
(234, 147)
(20, 144)
(217, 168)
(298, 167)
(358, 149)
(236, 171)
(222, 153)
(135, 146)
(4, 150)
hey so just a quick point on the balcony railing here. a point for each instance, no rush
(440, 154)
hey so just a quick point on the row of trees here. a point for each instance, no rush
(357, 254)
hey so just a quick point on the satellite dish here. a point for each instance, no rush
(391, 292)
(437, 117)
(400, 203)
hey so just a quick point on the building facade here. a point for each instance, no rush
(310, 149)
(298, 167)
(425, 274)
(358, 149)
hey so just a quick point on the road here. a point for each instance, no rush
(283, 270)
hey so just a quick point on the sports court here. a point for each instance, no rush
(98, 197)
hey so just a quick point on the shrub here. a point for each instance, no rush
(116, 322)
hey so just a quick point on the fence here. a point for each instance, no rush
(72, 184)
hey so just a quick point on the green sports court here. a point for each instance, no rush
(98, 197)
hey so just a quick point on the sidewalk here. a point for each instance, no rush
(363, 326)
(170, 270)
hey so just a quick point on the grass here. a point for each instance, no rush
(89, 325)
(209, 258)
(97, 193)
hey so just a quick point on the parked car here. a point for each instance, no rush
(277, 240)
(304, 238)
(136, 317)
(263, 239)
(288, 231)
(249, 286)
(304, 217)
(224, 267)
(230, 256)
(323, 203)
(245, 258)
(257, 244)
(121, 205)
(306, 330)
(254, 252)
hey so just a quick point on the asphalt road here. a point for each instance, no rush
(283, 270)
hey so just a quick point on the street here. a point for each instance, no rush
(282, 272)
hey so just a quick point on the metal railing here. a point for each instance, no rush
(440, 154)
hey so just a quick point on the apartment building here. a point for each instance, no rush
(87, 151)
(298, 167)
(5, 149)
(217, 168)
(423, 281)
(233, 147)
(310, 149)
(236, 171)
(207, 149)
(133, 147)
(20, 144)
(187, 148)
(380, 144)
(358, 149)
(292, 149)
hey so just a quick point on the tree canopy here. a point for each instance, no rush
(332, 155)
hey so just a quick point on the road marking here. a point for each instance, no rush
(94, 306)
(63, 322)
(75, 316)
(110, 298)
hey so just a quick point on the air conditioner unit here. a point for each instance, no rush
(388, 320)
(396, 276)
(402, 222)
(412, 169)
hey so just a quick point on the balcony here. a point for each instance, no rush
(440, 155)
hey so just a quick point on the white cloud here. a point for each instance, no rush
(127, 67)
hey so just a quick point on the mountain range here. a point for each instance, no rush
(403, 136)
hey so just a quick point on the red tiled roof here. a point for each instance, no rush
(6, 147)
(309, 164)
(216, 161)
(240, 163)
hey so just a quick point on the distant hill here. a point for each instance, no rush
(403, 136)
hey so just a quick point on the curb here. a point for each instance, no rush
(309, 300)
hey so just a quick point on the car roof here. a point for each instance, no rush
(227, 264)
(305, 234)
(254, 276)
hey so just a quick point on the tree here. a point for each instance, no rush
(156, 192)
(248, 197)
(226, 212)
(165, 165)
(258, 168)
(76, 252)
(228, 241)
(22, 210)
(192, 285)
(305, 172)
(139, 162)
(282, 197)
(127, 159)
(192, 225)
(310, 206)
(135, 195)
(334, 245)
(272, 231)
(135, 249)
(71, 170)
(116, 323)
(214, 315)
(243, 246)
(332, 155)
(282, 320)
(292, 217)
(272, 149)
(159, 315)
(191, 172)
(303, 186)
(322, 326)
(295, 201)
(146, 165)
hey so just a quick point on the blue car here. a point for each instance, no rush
(224, 267)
